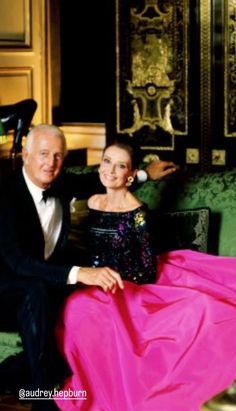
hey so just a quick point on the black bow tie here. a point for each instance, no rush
(49, 192)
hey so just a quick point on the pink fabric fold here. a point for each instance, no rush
(168, 346)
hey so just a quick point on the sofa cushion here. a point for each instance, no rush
(186, 229)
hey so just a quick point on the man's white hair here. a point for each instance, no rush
(41, 129)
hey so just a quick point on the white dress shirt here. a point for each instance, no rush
(50, 215)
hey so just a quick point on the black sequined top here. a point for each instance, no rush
(120, 240)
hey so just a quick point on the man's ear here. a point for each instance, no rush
(24, 154)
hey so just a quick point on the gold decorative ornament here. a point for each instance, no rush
(152, 87)
(139, 219)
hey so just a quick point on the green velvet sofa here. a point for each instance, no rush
(194, 194)
(196, 210)
(187, 211)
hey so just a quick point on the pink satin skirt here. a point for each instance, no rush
(168, 346)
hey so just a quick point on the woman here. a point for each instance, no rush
(164, 346)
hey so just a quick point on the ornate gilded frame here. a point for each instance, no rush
(205, 83)
(152, 70)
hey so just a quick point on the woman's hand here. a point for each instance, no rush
(103, 277)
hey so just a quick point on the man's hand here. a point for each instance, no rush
(159, 169)
(103, 277)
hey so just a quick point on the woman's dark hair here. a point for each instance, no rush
(128, 144)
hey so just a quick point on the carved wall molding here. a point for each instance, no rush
(25, 68)
(18, 81)
(205, 83)
(15, 27)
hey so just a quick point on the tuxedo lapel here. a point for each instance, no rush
(29, 223)
(26, 203)
(63, 238)
(28, 219)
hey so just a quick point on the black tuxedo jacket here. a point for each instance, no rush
(21, 236)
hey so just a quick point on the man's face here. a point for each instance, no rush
(44, 159)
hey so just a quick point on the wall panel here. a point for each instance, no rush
(176, 79)
(24, 69)
(17, 82)
(15, 23)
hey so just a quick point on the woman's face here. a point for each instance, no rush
(115, 167)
